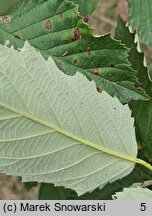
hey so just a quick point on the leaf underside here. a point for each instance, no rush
(134, 194)
(139, 174)
(55, 128)
(55, 28)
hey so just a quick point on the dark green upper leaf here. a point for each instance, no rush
(56, 29)
(142, 110)
(7, 6)
(50, 192)
(30, 185)
(141, 18)
(86, 7)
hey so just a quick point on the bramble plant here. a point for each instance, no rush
(75, 108)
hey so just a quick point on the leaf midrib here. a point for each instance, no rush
(72, 136)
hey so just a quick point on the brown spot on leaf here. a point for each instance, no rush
(65, 41)
(60, 63)
(130, 100)
(138, 85)
(107, 75)
(48, 24)
(112, 65)
(7, 19)
(75, 61)
(86, 19)
(95, 71)
(88, 51)
(77, 35)
(98, 89)
(17, 37)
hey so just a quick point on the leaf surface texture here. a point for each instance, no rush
(86, 8)
(141, 19)
(135, 194)
(56, 128)
(55, 28)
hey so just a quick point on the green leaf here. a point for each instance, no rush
(135, 58)
(134, 194)
(141, 19)
(30, 185)
(50, 192)
(142, 110)
(56, 128)
(139, 174)
(86, 8)
(56, 29)
(7, 6)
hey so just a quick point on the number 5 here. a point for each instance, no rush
(143, 207)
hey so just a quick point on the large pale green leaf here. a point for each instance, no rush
(142, 110)
(134, 194)
(56, 29)
(141, 19)
(138, 174)
(57, 128)
(86, 7)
